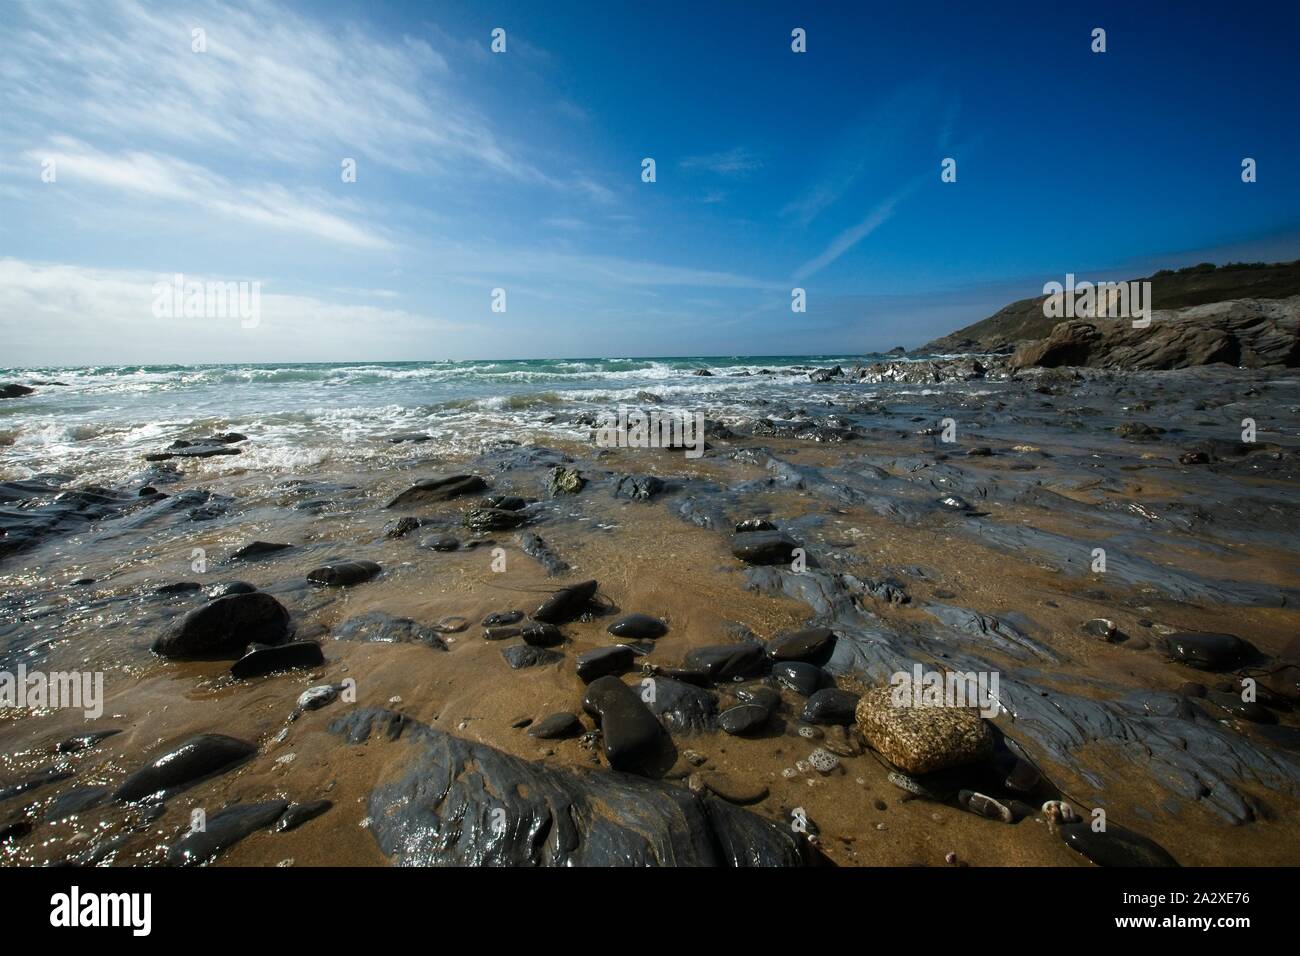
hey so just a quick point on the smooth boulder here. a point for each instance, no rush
(224, 627)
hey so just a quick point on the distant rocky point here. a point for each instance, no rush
(1238, 314)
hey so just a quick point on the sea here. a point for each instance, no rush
(95, 423)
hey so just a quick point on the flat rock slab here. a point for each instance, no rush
(452, 802)
(438, 488)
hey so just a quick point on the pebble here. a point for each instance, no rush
(823, 761)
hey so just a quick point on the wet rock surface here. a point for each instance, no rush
(437, 810)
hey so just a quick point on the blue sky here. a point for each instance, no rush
(522, 170)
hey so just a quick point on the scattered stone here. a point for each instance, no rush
(257, 550)
(638, 627)
(438, 488)
(224, 627)
(379, 627)
(727, 662)
(618, 659)
(630, 732)
(814, 643)
(80, 742)
(224, 829)
(343, 574)
(830, 705)
(566, 604)
(1103, 628)
(556, 727)
(921, 739)
(314, 698)
(193, 760)
(533, 546)
(638, 487)
(1208, 652)
(401, 527)
(984, 806)
(441, 542)
(1116, 846)
(525, 655)
(799, 676)
(764, 547)
(481, 520)
(823, 761)
(502, 618)
(266, 660)
(296, 814)
(564, 481)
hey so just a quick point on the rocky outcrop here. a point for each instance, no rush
(453, 802)
(1253, 333)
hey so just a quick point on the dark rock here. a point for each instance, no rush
(533, 546)
(801, 677)
(754, 524)
(437, 488)
(493, 519)
(258, 549)
(378, 627)
(1208, 652)
(566, 604)
(224, 829)
(344, 574)
(500, 618)
(227, 588)
(440, 542)
(80, 742)
(75, 801)
(1245, 709)
(539, 634)
(14, 390)
(605, 660)
(763, 547)
(296, 814)
(564, 481)
(224, 627)
(196, 758)
(436, 808)
(810, 644)
(267, 660)
(556, 727)
(638, 627)
(752, 714)
(638, 487)
(525, 655)
(1103, 628)
(178, 587)
(680, 707)
(728, 662)
(505, 502)
(1115, 846)
(629, 730)
(830, 705)
(401, 527)
(40, 779)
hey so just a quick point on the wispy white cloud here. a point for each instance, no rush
(60, 314)
(168, 179)
(270, 80)
(850, 237)
(739, 161)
